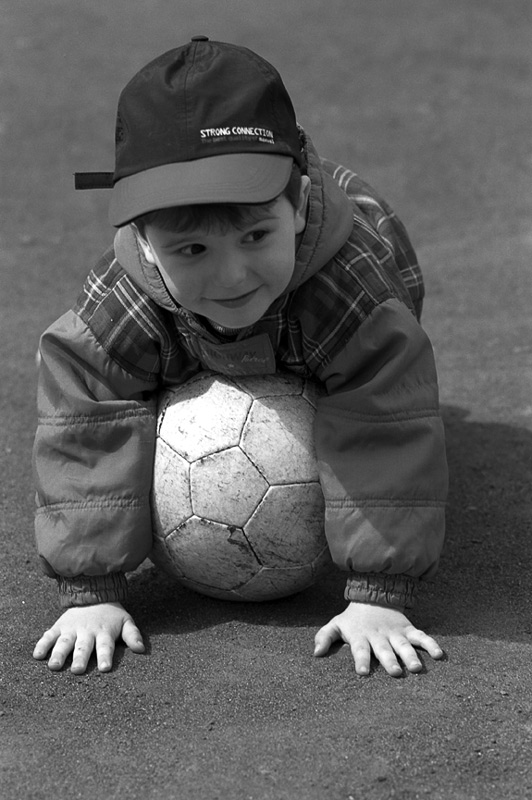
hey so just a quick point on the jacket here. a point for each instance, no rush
(349, 319)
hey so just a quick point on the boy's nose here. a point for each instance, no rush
(230, 271)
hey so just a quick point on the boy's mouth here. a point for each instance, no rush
(235, 302)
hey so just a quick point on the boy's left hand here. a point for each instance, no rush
(384, 631)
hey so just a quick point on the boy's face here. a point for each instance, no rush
(231, 277)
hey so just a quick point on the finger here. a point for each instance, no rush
(82, 653)
(385, 654)
(406, 653)
(361, 652)
(420, 639)
(47, 640)
(105, 648)
(63, 647)
(132, 636)
(325, 637)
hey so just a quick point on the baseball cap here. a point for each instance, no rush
(208, 122)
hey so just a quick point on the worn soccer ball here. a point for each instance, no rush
(238, 511)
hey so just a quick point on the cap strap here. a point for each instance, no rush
(93, 180)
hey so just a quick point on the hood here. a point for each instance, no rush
(329, 220)
(329, 223)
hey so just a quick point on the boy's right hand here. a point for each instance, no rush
(82, 629)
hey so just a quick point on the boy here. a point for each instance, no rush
(233, 234)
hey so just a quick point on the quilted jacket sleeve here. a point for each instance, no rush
(381, 450)
(93, 459)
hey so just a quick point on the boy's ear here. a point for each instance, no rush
(301, 210)
(144, 246)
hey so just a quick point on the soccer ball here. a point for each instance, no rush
(238, 511)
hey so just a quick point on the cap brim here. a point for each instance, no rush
(235, 178)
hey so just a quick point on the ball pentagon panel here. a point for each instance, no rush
(226, 486)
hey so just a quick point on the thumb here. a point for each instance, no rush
(132, 636)
(325, 638)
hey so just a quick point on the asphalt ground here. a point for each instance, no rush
(430, 102)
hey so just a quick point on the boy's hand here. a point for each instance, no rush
(82, 629)
(384, 631)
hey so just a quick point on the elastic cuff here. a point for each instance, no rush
(397, 591)
(87, 590)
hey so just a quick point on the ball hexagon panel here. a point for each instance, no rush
(198, 429)
(274, 583)
(287, 527)
(282, 383)
(171, 504)
(226, 486)
(278, 438)
(212, 555)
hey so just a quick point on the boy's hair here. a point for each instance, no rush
(216, 216)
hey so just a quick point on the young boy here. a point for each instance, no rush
(233, 234)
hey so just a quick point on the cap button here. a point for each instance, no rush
(199, 38)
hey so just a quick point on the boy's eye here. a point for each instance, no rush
(192, 250)
(256, 236)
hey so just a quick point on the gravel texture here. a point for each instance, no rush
(431, 103)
